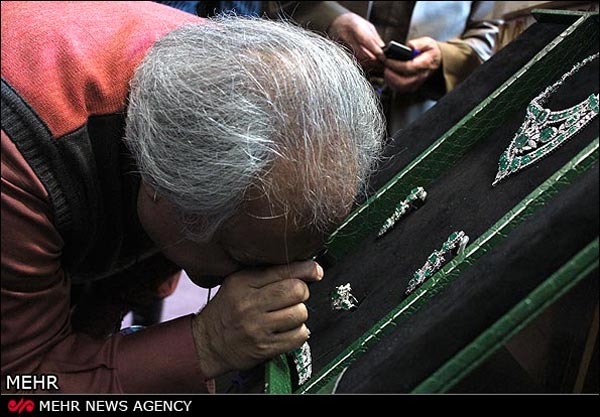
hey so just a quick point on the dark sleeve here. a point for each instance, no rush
(37, 335)
(313, 15)
(186, 6)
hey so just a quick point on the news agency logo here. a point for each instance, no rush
(22, 405)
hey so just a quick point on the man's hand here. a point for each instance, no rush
(359, 34)
(408, 76)
(256, 315)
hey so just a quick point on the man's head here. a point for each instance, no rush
(257, 135)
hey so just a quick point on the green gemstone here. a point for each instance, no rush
(560, 138)
(525, 159)
(546, 134)
(416, 276)
(571, 120)
(503, 163)
(428, 273)
(593, 100)
(433, 257)
(446, 246)
(542, 116)
(515, 164)
(413, 194)
(538, 153)
(521, 141)
(572, 129)
(533, 109)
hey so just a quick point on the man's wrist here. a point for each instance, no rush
(208, 361)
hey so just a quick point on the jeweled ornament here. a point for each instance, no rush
(544, 130)
(413, 200)
(456, 243)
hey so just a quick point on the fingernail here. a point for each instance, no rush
(320, 272)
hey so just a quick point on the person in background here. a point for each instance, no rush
(205, 8)
(453, 37)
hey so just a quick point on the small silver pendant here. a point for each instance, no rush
(342, 298)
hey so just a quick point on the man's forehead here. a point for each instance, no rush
(269, 240)
(265, 231)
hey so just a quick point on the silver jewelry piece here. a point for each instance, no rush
(342, 298)
(456, 243)
(543, 130)
(303, 361)
(413, 200)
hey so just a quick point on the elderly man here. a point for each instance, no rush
(137, 141)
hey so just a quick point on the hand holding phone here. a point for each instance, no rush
(407, 76)
(400, 52)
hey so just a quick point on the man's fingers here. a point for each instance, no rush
(406, 68)
(363, 54)
(422, 44)
(282, 294)
(288, 318)
(377, 44)
(290, 340)
(430, 56)
(375, 51)
(308, 271)
(419, 64)
(425, 61)
(372, 43)
(403, 84)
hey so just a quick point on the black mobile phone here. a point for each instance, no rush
(395, 50)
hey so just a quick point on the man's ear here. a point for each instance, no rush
(150, 192)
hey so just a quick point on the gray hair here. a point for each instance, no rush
(237, 102)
